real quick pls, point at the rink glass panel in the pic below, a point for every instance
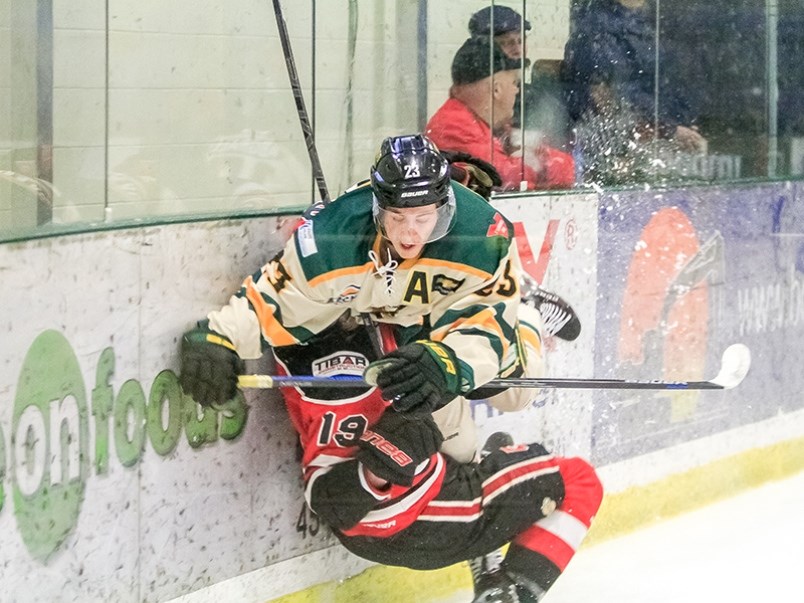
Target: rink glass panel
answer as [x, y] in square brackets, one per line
[121, 111]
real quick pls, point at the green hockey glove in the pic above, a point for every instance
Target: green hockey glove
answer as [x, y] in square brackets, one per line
[419, 377]
[209, 366]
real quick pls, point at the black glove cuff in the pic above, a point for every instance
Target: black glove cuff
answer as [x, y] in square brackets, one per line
[339, 498]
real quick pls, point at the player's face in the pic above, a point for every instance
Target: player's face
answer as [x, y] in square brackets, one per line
[511, 44]
[408, 229]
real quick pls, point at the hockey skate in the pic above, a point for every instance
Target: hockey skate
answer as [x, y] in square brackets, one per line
[497, 440]
[560, 320]
[492, 584]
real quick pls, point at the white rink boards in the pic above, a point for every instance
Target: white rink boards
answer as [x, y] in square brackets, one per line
[113, 487]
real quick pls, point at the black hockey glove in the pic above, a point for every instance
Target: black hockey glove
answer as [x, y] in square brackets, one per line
[209, 366]
[397, 444]
[419, 377]
[473, 172]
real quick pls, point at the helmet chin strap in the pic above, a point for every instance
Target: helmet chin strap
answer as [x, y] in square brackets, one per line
[387, 249]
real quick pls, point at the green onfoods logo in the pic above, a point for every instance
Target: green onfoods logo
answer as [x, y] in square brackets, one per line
[59, 436]
[49, 444]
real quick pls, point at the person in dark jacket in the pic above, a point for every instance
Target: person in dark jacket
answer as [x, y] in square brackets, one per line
[611, 77]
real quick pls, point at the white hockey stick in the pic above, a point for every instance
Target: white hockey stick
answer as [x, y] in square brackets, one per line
[734, 365]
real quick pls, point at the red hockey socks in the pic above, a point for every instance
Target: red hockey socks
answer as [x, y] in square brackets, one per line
[540, 553]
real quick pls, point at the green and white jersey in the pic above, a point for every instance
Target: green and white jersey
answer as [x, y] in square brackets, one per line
[463, 290]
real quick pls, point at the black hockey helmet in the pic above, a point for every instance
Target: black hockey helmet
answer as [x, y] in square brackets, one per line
[411, 172]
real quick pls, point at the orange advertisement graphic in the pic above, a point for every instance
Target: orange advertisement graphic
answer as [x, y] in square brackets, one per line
[664, 317]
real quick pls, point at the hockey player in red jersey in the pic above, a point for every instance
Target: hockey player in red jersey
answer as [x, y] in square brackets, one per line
[414, 278]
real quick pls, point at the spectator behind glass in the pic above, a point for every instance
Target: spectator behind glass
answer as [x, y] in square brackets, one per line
[610, 73]
[476, 119]
[545, 114]
[508, 26]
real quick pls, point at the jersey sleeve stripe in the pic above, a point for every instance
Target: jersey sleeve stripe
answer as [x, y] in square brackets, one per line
[484, 324]
[530, 336]
[272, 329]
[399, 513]
[415, 495]
[452, 516]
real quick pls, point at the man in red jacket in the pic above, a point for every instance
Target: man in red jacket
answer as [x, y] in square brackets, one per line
[476, 119]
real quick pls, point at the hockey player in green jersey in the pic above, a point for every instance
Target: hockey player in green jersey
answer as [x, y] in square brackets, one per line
[413, 250]
[433, 266]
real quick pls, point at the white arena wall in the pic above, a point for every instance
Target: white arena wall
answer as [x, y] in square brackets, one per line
[116, 487]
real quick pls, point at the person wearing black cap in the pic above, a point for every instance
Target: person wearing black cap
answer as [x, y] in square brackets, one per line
[545, 118]
[507, 25]
[478, 114]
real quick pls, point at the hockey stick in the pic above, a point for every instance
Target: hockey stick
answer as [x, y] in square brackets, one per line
[304, 120]
[734, 367]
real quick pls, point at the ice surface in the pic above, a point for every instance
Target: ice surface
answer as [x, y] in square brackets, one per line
[741, 550]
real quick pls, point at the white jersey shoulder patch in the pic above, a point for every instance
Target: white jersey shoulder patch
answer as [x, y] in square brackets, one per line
[306, 238]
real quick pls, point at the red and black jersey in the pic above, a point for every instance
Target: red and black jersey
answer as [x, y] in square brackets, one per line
[329, 423]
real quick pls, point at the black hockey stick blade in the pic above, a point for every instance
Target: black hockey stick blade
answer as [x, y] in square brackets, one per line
[734, 366]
